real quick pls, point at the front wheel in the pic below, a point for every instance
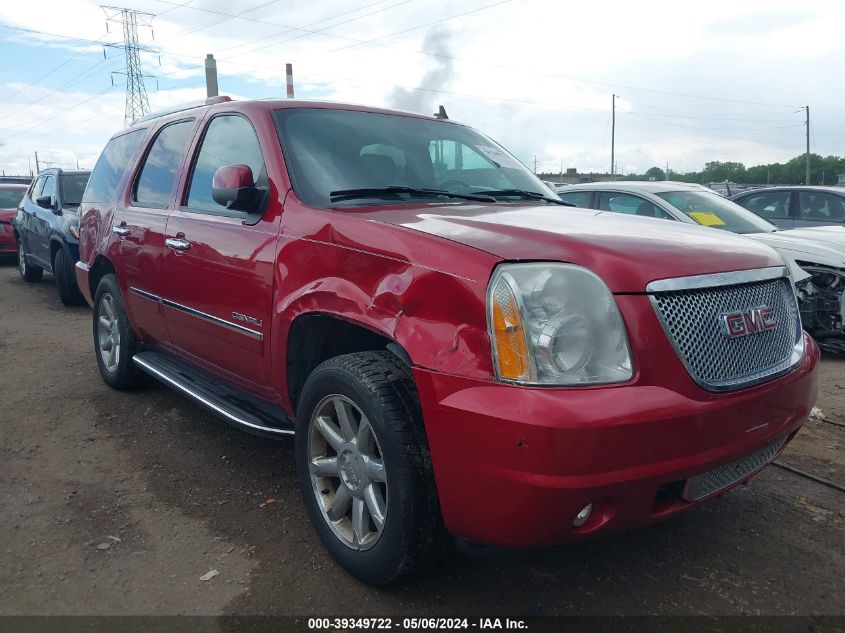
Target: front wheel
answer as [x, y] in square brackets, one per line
[29, 274]
[364, 468]
[114, 341]
[66, 280]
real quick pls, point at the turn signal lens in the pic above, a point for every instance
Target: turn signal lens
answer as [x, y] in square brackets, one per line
[509, 333]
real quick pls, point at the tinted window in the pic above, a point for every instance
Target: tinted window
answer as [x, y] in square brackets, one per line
[710, 209]
[10, 198]
[49, 187]
[629, 204]
[37, 187]
[158, 173]
[73, 185]
[773, 205]
[333, 150]
[578, 198]
[110, 167]
[228, 140]
[822, 207]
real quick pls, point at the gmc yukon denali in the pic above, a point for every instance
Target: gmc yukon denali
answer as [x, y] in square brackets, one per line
[457, 356]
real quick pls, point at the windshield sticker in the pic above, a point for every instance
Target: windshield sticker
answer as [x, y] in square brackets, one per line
[707, 218]
[502, 159]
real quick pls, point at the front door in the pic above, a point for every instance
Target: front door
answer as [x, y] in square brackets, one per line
[219, 267]
[39, 245]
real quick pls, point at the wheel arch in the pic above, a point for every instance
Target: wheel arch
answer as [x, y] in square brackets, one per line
[101, 267]
[316, 336]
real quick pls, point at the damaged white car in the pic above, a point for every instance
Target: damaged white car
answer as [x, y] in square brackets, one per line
[815, 256]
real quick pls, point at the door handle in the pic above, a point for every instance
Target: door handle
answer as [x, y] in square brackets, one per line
[122, 231]
[177, 243]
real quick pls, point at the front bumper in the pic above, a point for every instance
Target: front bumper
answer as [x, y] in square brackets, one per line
[514, 465]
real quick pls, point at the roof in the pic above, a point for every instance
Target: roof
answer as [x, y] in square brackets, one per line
[65, 172]
[221, 103]
[654, 186]
[838, 190]
[13, 185]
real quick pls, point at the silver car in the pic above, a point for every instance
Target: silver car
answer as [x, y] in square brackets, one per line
[796, 207]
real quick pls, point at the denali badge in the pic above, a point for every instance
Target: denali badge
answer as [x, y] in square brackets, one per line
[750, 321]
[237, 316]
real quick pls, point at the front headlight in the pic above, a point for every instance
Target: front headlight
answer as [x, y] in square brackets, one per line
[555, 324]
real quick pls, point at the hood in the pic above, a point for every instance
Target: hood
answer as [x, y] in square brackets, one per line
[819, 245]
[627, 252]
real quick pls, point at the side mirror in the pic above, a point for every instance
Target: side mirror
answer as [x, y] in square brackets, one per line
[46, 202]
[233, 187]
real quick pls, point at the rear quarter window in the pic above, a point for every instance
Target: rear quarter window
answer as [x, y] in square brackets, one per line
[111, 166]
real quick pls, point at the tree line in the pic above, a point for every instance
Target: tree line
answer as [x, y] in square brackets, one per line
[824, 170]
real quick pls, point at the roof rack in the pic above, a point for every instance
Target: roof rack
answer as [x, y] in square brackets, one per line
[183, 108]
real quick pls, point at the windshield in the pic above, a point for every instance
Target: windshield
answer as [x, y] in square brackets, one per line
[11, 198]
[73, 186]
[340, 150]
[710, 209]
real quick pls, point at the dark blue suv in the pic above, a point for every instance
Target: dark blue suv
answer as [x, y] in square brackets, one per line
[47, 230]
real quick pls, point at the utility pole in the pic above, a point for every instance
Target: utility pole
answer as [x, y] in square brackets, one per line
[667, 170]
[137, 103]
[535, 164]
[37, 166]
[613, 140]
[211, 89]
[807, 166]
[561, 171]
[289, 80]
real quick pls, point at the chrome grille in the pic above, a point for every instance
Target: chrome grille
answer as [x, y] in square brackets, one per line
[723, 476]
[692, 318]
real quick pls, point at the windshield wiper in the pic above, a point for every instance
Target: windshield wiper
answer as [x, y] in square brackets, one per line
[521, 193]
[370, 192]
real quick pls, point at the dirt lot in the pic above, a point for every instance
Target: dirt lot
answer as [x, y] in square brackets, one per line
[116, 503]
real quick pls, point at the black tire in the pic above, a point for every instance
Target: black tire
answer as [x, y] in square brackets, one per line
[382, 388]
[66, 280]
[29, 273]
[124, 374]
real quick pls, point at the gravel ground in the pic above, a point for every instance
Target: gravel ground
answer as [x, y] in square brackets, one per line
[116, 503]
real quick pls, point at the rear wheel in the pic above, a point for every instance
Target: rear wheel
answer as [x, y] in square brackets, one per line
[28, 273]
[66, 280]
[114, 341]
[364, 468]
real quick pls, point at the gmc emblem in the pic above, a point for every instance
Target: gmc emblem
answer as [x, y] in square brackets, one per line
[750, 321]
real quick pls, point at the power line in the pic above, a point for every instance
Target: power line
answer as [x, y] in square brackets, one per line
[137, 103]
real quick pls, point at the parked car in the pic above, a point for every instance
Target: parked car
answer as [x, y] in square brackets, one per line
[10, 198]
[453, 354]
[47, 230]
[815, 256]
[796, 207]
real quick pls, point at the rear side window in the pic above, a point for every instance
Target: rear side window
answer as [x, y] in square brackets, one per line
[229, 140]
[630, 205]
[578, 198]
[110, 167]
[158, 173]
[823, 207]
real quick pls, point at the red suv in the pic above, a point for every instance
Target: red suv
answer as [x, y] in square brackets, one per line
[455, 352]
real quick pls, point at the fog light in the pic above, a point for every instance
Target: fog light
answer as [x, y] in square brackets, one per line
[583, 515]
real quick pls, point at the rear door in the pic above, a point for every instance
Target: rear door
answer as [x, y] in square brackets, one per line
[139, 226]
[819, 208]
[774, 206]
[219, 267]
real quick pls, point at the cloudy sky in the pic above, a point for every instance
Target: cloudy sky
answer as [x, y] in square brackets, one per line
[722, 80]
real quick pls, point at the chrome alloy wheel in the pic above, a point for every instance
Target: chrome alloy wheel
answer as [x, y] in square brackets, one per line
[108, 333]
[347, 472]
[21, 259]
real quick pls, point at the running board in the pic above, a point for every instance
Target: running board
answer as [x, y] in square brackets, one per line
[235, 407]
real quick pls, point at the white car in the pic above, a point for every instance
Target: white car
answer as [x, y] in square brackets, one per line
[815, 256]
